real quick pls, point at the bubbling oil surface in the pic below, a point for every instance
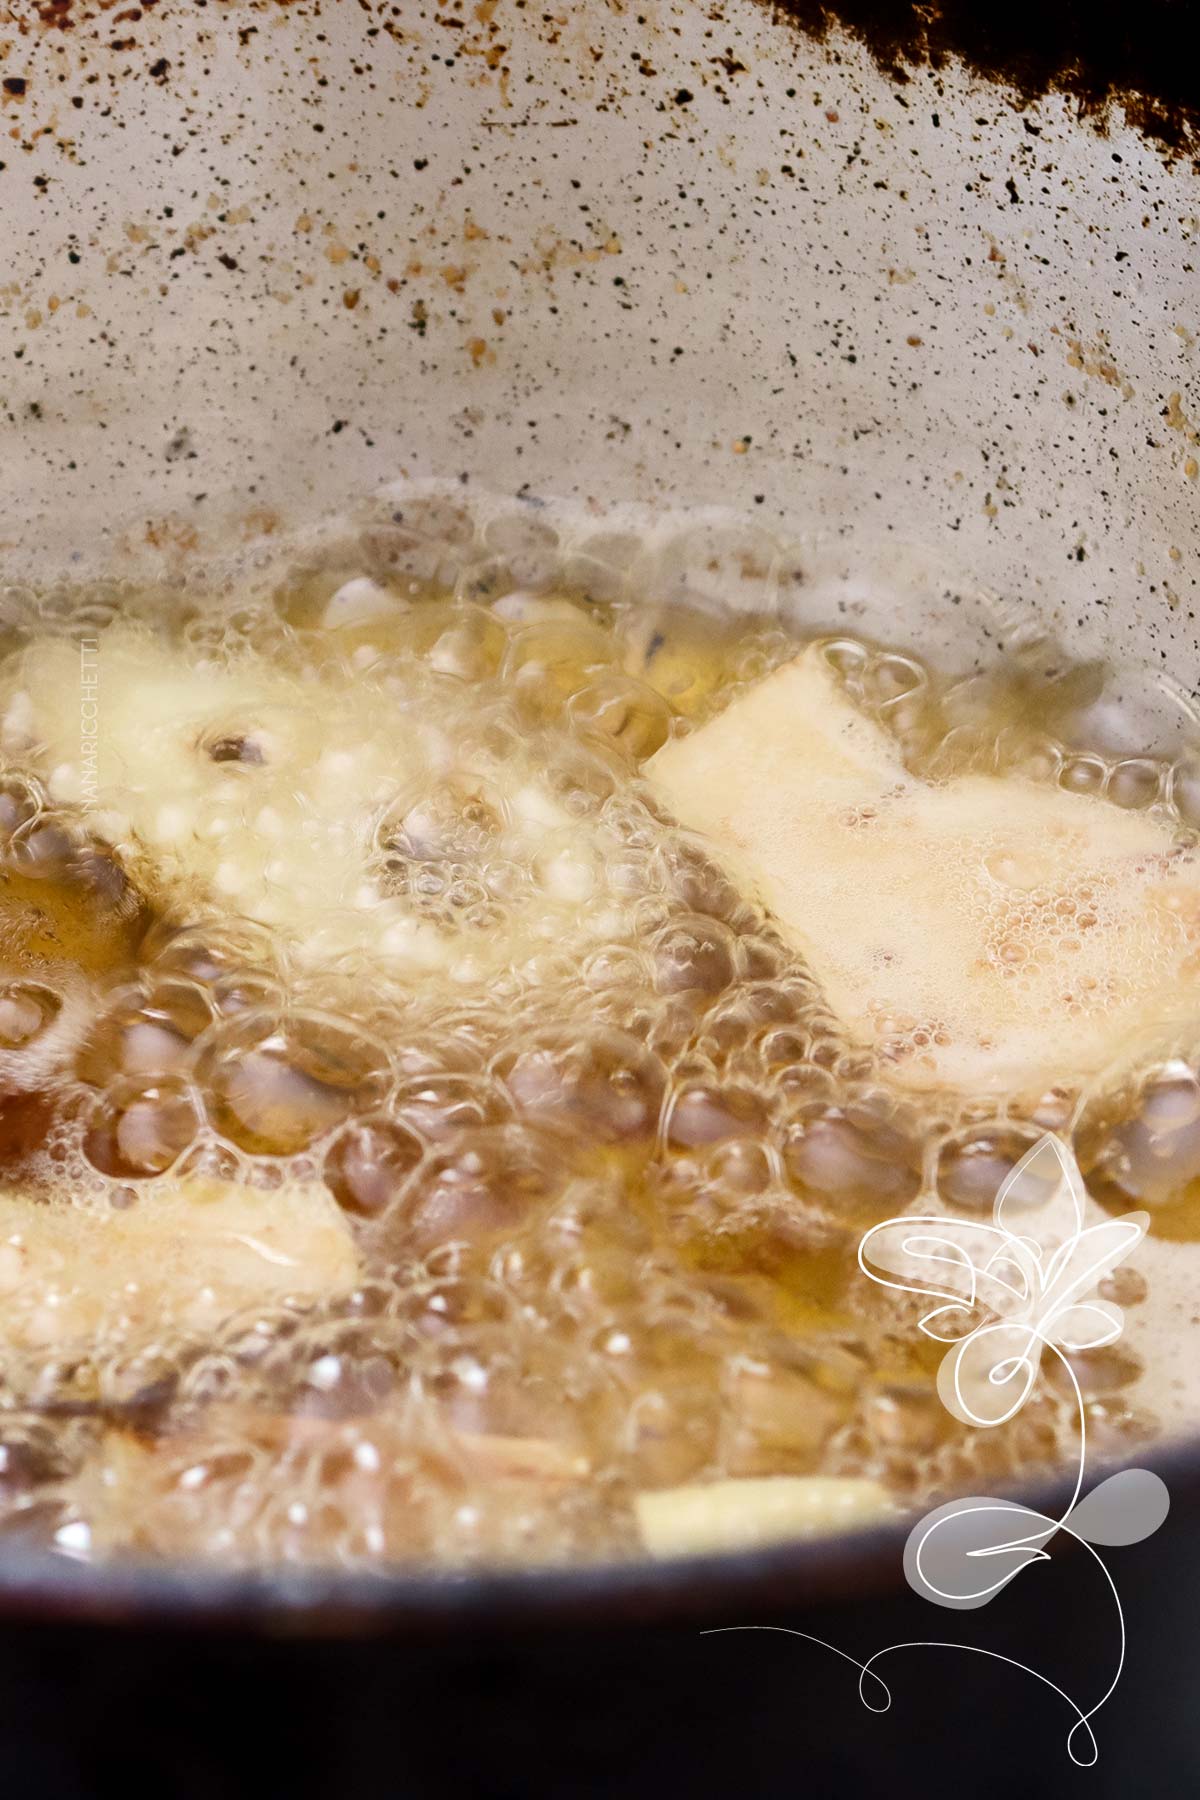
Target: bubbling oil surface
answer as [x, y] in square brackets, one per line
[600, 1157]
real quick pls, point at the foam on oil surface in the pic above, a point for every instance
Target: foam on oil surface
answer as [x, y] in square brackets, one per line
[372, 903]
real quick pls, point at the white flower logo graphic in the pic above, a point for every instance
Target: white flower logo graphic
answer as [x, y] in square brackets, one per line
[1032, 1274]
[1007, 1293]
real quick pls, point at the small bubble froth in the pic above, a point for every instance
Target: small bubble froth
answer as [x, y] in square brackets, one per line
[533, 1160]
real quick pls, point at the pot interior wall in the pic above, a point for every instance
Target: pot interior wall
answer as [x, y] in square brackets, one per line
[262, 259]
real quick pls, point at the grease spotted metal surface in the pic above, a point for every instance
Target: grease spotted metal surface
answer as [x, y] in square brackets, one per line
[1104, 54]
[259, 258]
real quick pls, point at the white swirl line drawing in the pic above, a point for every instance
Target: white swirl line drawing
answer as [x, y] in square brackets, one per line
[867, 1672]
[1005, 1296]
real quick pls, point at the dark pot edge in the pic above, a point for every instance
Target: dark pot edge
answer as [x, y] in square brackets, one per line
[311, 1603]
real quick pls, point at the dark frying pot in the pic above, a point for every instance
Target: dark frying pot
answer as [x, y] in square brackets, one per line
[894, 297]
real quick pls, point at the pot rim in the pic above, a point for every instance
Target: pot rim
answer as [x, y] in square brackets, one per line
[306, 1603]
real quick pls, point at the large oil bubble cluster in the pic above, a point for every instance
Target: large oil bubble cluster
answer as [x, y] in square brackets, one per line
[531, 1163]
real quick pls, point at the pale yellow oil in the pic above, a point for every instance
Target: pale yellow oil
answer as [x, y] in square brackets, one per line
[603, 1153]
